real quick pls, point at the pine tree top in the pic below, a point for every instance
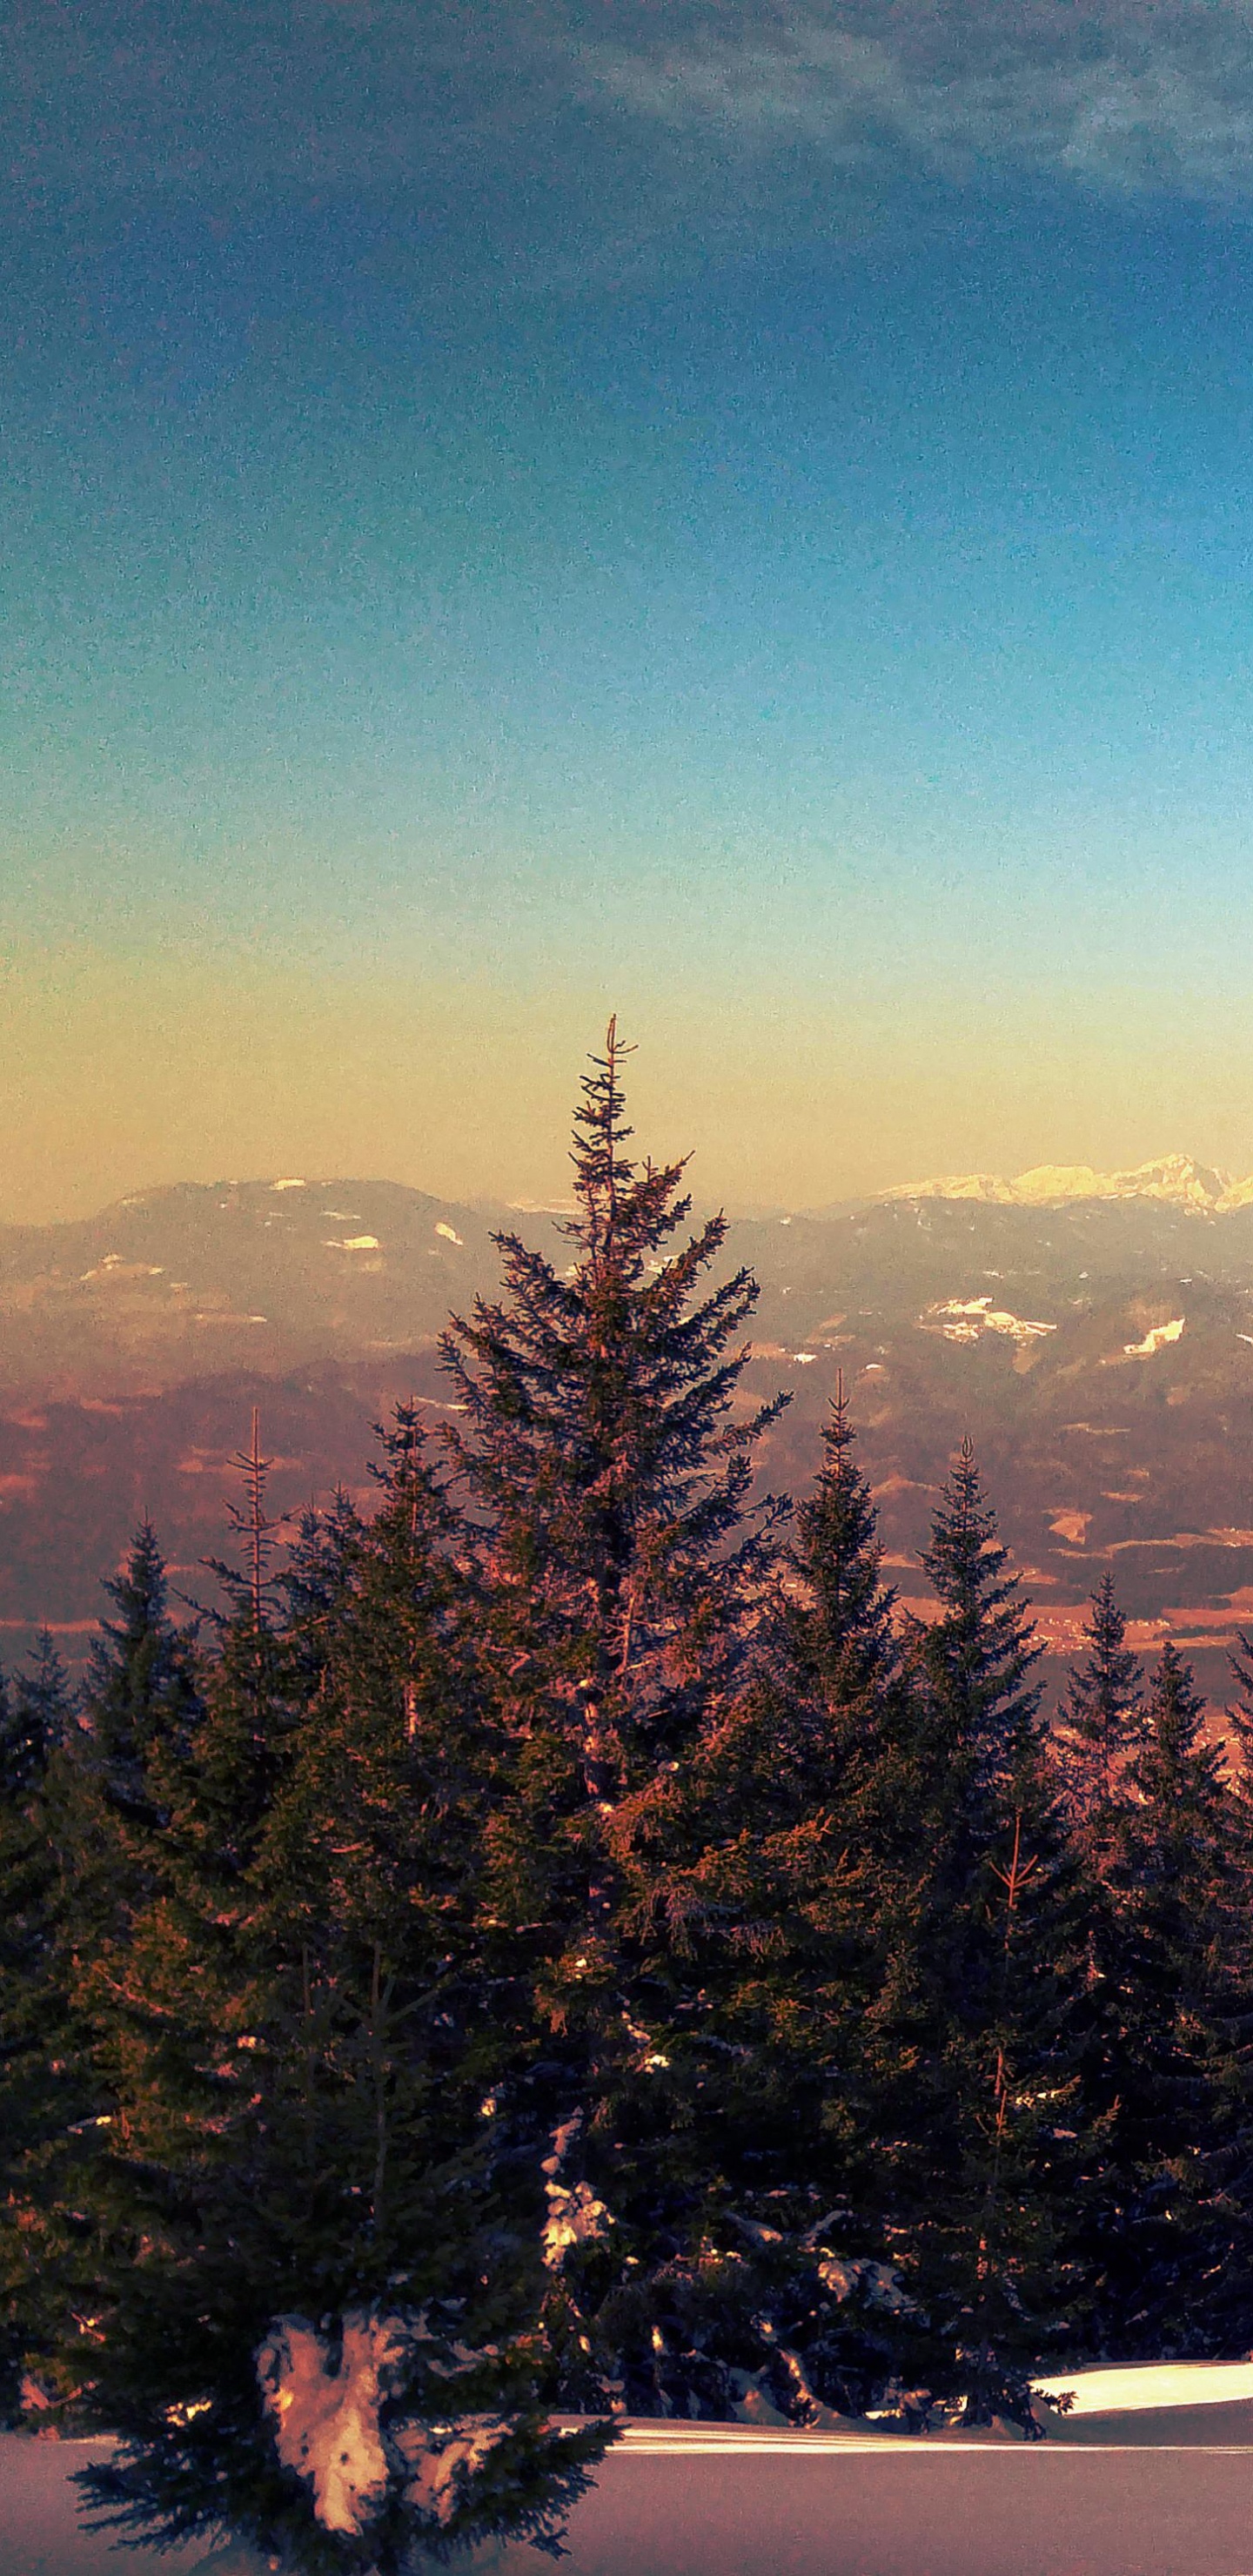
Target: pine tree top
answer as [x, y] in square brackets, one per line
[601, 1439]
[982, 1652]
[1104, 1703]
[845, 1629]
[1174, 1752]
[1101, 1721]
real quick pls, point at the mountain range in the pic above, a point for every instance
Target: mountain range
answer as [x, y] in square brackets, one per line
[1096, 1341]
[1176, 1179]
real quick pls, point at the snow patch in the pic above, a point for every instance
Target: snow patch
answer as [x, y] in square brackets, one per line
[1156, 1339]
[289, 1185]
[352, 1243]
[325, 2413]
[1124, 2388]
[967, 1319]
[449, 1232]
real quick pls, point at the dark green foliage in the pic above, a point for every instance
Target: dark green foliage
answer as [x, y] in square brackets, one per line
[1169, 2228]
[1102, 1721]
[27, 1882]
[970, 2035]
[300, 2059]
[42, 2088]
[44, 1704]
[979, 1658]
[844, 1628]
[141, 1708]
[794, 1830]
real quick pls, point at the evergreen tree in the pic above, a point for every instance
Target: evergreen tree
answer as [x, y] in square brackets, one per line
[311, 1583]
[979, 1657]
[1169, 2228]
[42, 2086]
[300, 2155]
[27, 1883]
[1101, 1723]
[844, 1628]
[972, 2038]
[45, 1702]
[623, 1572]
[140, 1695]
[1239, 1716]
[798, 1834]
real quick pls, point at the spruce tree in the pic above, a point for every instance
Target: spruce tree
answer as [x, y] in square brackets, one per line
[300, 2168]
[140, 1695]
[1101, 1723]
[28, 1873]
[972, 2038]
[844, 1628]
[623, 1571]
[1171, 2231]
[45, 1701]
[798, 1834]
[45, 2088]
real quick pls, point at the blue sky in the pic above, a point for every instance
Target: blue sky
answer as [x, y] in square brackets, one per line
[736, 515]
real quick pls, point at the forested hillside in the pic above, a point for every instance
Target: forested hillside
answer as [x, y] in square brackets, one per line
[564, 1939]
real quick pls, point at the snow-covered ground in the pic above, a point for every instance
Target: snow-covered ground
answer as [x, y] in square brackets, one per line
[1150, 2475]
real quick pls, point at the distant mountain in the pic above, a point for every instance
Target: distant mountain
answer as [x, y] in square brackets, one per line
[1175, 1178]
[179, 1283]
[1097, 1342]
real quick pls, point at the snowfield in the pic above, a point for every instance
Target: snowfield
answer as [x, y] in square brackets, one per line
[1151, 2474]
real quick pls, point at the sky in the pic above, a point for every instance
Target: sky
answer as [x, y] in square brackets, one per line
[736, 515]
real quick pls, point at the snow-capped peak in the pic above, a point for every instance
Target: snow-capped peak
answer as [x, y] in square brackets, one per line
[1177, 1179]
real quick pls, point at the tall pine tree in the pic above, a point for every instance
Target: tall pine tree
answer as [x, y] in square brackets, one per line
[317, 2327]
[1170, 2228]
[607, 1456]
[46, 2088]
[973, 2036]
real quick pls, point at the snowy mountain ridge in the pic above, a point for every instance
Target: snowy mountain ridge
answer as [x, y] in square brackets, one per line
[1178, 1180]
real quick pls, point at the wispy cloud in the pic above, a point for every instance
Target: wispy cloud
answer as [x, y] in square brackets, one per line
[1120, 97]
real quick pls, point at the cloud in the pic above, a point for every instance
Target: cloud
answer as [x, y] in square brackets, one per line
[579, 140]
[1118, 97]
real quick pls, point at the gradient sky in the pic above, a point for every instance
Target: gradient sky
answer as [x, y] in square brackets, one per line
[739, 515]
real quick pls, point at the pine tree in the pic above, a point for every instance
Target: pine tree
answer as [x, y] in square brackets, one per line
[1101, 1723]
[844, 1628]
[797, 1834]
[27, 1880]
[299, 2168]
[972, 2039]
[1239, 1716]
[1168, 2229]
[311, 1582]
[979, 1656]
[170, 1977]
[42, 2086]
[45, 1702]
[140, 1695]
[623, 1571]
